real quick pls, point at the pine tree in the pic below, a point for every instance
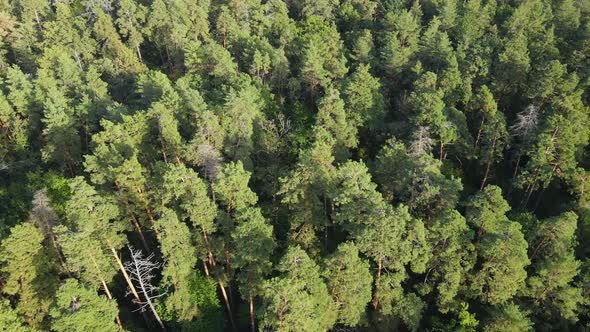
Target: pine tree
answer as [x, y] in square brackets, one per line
[78, 308]
[241, 111]
[130, 20]
[321, 54]
[349, 283]
[9, 318]
[95, 219]
[415, 179]
[363, 99]
[29, 274]
[555, 267]
[254, 243]
[508, 317]
[400, 41]
[232, 190]
[183, 187]
[179, 271]
[333, 118]
[452, 258]
[492, 135]
[305, 192]
[297, 299]
[500, 247]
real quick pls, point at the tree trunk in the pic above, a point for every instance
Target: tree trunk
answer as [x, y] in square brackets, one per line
[133, 220]
[141, 236]
[38, 21]
[379, 268]
[229, 311]
[168, 58]
[479, 133]
[125, 275]
[106, 289]
[210, 253]
[139, 54]
[516, 167]
[485, 177]
[489, 164]
[252, 325]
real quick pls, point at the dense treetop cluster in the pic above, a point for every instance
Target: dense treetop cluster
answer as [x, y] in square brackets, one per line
[301, 165]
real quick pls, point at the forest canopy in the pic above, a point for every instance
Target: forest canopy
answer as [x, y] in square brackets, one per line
[302, 165]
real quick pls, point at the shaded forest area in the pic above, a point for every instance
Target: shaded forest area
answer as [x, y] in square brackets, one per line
[301, 165]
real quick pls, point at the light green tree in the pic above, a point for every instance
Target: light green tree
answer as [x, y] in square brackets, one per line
[297, 299]
[349, 283]
[28, 271]
[78, 308]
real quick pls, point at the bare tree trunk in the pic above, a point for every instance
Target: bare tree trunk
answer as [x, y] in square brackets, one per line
[77, 57]
[139, 54]
[379, 268]
[125, 275]
[516, 167]
[138, 228]
[210, 253]
[489, 164]
[133, 220]
[106, 289]
[229, 311]
[479, 132]
[252, 325]
[38, 21]
[168, 58]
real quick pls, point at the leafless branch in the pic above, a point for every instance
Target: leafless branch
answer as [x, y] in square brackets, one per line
[140, 271]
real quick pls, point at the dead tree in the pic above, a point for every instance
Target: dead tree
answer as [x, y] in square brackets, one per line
[421, 142]
[526, 122]
[141, 270]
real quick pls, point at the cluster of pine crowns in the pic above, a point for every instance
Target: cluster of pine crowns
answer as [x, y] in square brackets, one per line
[301, 165]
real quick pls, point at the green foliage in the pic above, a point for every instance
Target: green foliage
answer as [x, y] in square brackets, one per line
[555, 267]
[508, 317]
[78, 308]
[501, 248]
[349, 283]
[9, 318]
[180, 258]
[254, 243]
[231, 187]
[297, 299]
[363, 98]
[415, 179]
[293, 161]
[28, 273]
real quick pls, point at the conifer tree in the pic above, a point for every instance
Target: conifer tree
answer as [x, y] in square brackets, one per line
[179, 272]
[500, 246]
[363, 98]
[349, 282]
[78, 308]
[555, 267]
[297, 299]
[254, 243]
[29, 274]
[9, 318]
